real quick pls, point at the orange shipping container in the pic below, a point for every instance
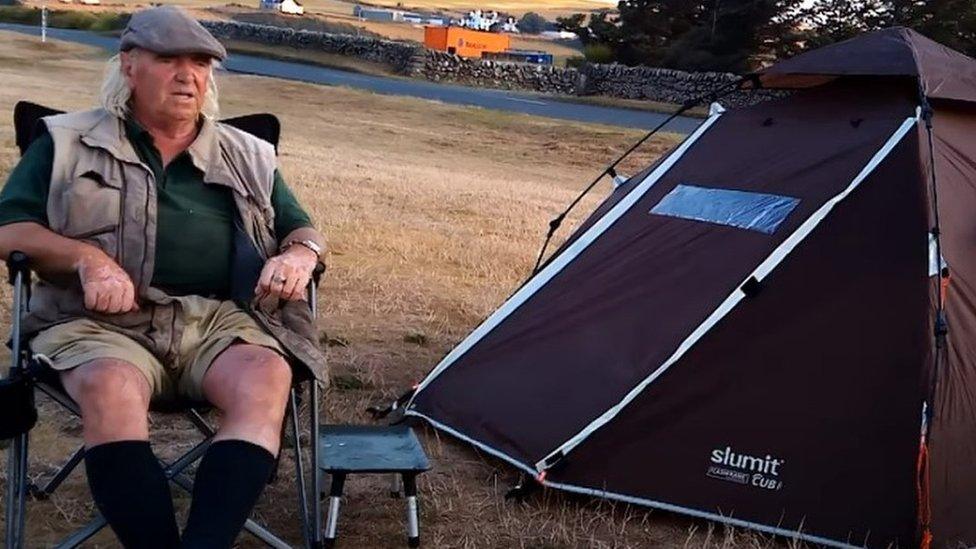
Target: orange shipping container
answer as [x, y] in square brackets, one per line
[465, 42]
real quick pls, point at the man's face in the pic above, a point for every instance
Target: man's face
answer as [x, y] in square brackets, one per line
[166, 88]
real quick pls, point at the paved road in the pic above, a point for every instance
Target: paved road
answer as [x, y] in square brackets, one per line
[460, 95]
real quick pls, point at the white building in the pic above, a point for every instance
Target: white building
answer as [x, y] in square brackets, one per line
[478, 20]
[290, 7]
[510, 25]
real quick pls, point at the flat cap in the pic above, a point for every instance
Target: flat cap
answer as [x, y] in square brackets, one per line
[169, 30]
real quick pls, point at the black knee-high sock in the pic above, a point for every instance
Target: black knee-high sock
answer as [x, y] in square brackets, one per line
[231, 476]
[132, 493]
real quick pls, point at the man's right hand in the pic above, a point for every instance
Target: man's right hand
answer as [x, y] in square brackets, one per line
[108, 288]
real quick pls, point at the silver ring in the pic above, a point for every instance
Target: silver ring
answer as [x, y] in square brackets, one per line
[280, 279]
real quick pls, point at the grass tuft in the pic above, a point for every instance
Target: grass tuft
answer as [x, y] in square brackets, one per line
[416, 338]
[349, 382]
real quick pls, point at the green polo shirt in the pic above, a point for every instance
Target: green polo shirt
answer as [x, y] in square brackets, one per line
[194, 237]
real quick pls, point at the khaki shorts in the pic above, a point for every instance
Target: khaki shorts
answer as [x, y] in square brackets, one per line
[209, 327]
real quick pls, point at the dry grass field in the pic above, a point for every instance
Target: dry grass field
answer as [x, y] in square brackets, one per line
[434, 213]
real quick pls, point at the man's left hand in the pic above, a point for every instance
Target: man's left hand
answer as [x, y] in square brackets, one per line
[286, 276]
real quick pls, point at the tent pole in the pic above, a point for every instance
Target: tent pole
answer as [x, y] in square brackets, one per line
[941, 323]
[941, 330]
[610, 170]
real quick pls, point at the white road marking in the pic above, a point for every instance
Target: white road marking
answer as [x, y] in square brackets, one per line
[533, 101]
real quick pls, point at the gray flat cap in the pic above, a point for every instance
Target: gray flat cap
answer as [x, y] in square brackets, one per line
[169, 30]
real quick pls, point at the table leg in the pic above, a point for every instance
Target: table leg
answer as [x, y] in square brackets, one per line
[413, 518]
[394, 486]
[335, 497]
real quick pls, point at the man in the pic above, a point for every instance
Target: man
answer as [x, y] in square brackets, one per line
[173, 262]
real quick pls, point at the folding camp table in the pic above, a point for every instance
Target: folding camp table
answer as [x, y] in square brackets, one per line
[368, 449]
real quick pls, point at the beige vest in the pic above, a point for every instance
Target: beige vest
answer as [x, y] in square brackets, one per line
[102, 193]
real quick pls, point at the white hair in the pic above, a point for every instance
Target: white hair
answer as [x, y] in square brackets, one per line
[115, 94]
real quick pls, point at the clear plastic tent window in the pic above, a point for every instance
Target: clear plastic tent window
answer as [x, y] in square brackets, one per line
[753, 211]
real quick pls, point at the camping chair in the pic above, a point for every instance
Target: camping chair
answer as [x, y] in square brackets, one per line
[27, 373]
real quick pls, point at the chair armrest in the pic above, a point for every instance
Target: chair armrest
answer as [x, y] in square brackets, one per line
[18, 263]
[318, 273]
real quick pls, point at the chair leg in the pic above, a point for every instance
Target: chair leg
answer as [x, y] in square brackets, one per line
[413, 518]
[299, 470]
[335, 498]
[60, 397]
[59, 477]
[10, 513]
[82, 534]
[264, 535]
[276, 468]
[201, 424]
[187, 459]
[16, 491]
[313, 407]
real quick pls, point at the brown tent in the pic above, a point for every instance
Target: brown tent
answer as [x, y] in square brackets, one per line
[750, 330]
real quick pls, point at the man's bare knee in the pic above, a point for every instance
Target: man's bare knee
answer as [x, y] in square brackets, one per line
[114, 399]
[107, 381]
[250, 385]
[249, 379]
[269, 379]
[263, 391]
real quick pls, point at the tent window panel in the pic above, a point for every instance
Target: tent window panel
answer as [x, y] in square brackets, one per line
[746, 210]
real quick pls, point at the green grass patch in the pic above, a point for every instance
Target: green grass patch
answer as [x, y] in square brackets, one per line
[65, 19]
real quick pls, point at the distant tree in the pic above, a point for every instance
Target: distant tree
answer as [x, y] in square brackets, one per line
[601, 36]
[597, 53]
[650, 28]
[732, 34]
[829, 21]
[951, 22]
[724, 35]
[532, 23]
[603, 29]
[575, 23]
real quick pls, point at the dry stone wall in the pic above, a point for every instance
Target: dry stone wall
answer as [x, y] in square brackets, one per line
[398, 55]
[663, 85]
[440, 66]
[643, 83]
[410, 58]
